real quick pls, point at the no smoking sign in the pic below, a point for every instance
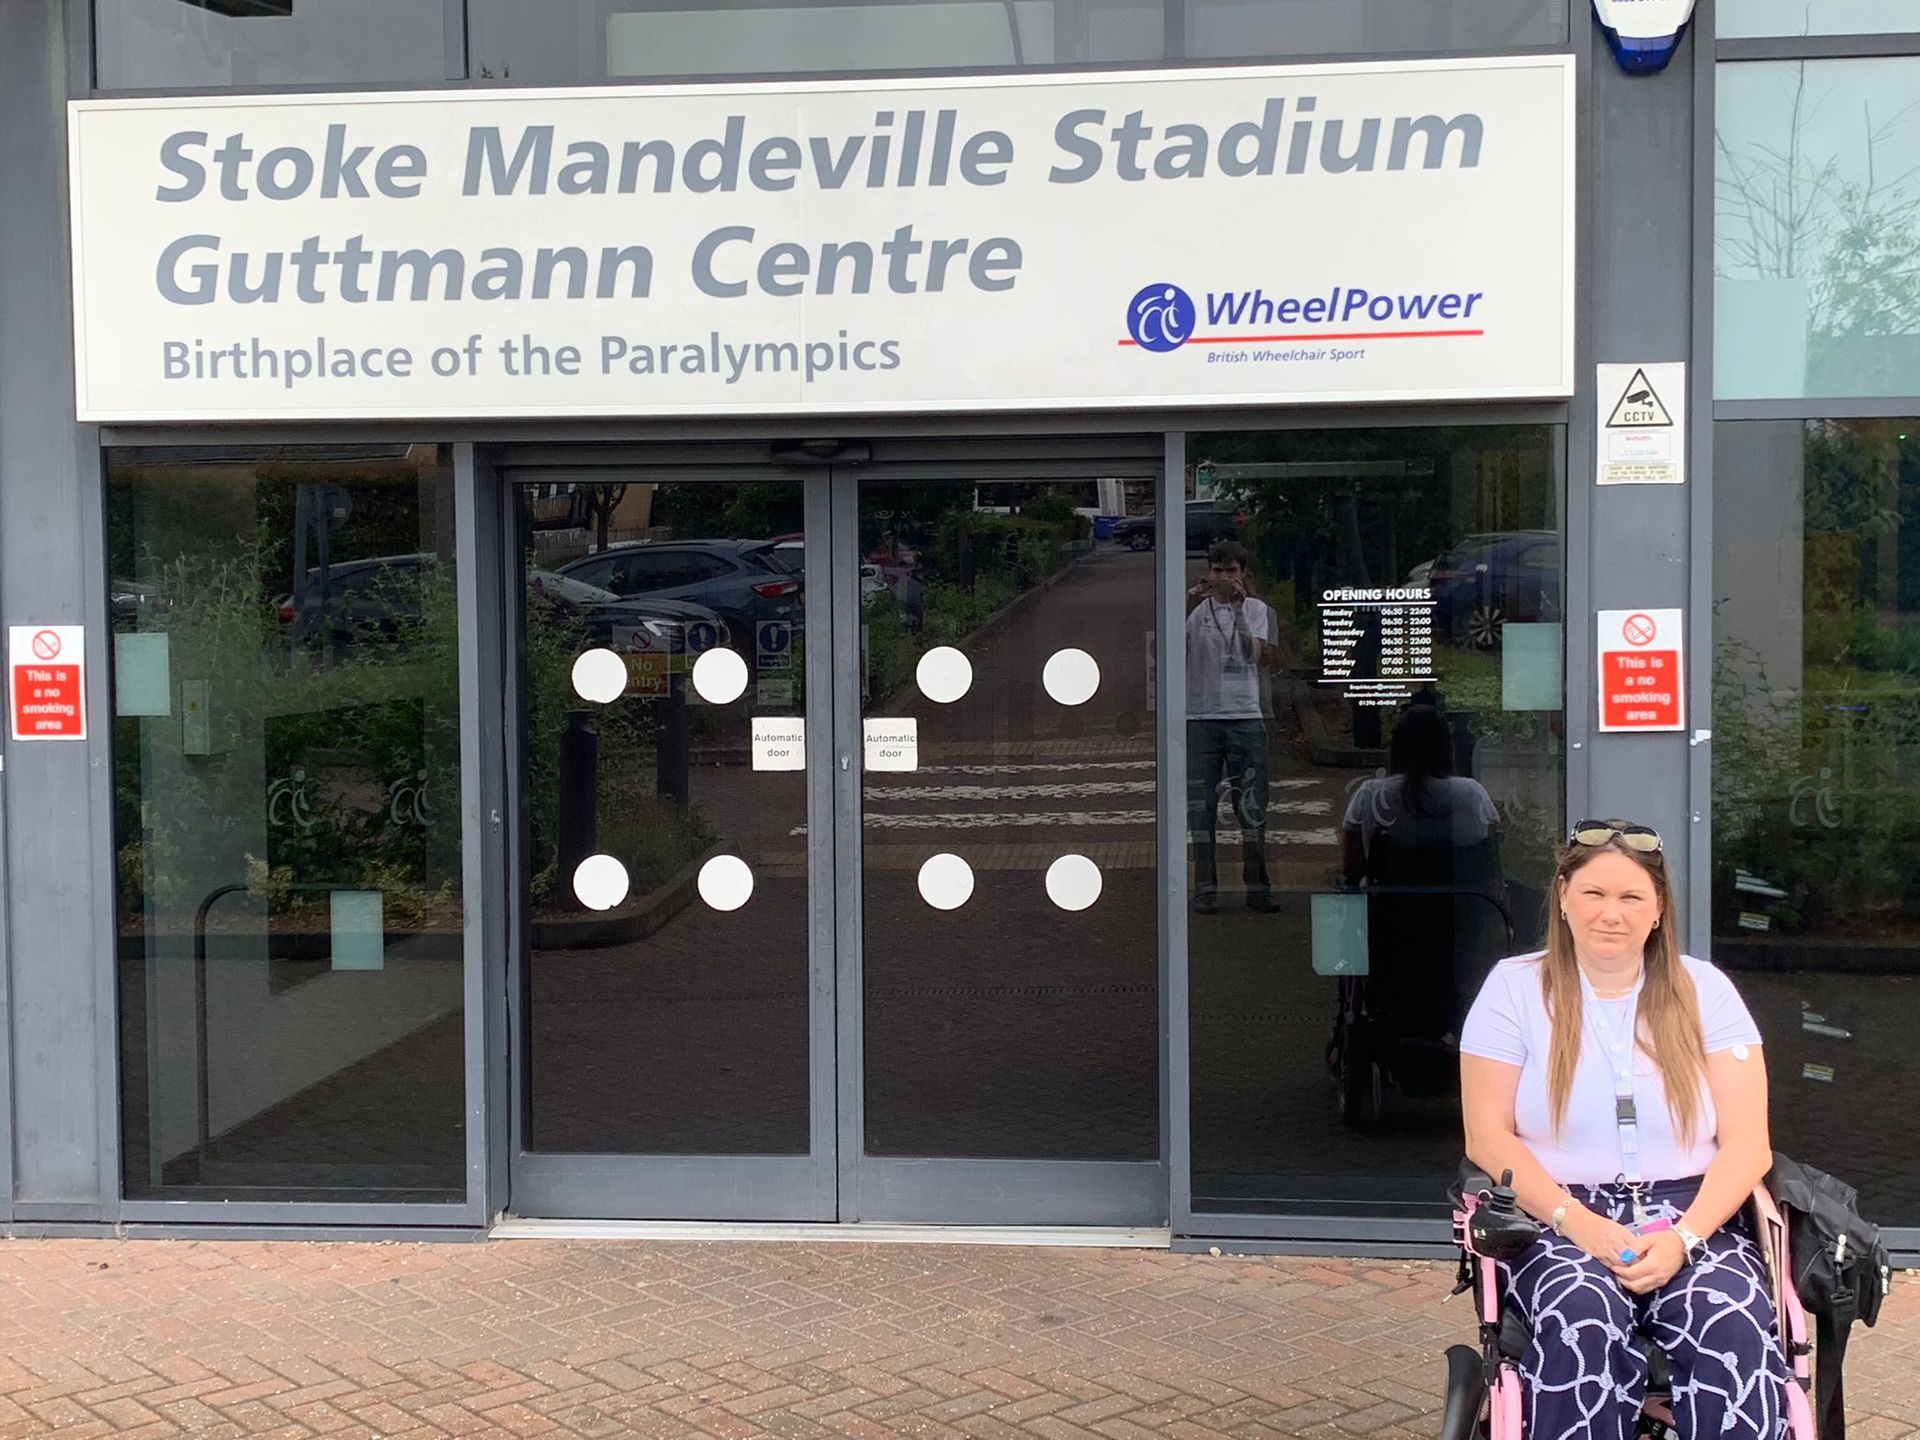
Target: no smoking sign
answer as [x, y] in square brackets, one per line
[47, 671]
[1641, 670]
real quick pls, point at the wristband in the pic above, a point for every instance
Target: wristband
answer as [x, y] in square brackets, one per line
[1559, 1218]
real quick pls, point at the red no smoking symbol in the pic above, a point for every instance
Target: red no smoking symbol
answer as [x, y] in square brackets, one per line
[46, 644]
[1639, 629]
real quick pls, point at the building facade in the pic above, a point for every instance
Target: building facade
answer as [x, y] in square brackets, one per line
[624, 598]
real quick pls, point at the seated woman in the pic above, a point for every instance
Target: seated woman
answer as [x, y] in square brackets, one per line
[1622, 1083]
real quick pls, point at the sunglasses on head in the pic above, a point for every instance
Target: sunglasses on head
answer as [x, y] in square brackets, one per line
[1643, 838]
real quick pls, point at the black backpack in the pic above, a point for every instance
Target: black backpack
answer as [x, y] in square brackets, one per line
[1841, 1272]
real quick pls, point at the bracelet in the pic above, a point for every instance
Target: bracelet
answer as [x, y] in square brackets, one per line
[1559, 1217]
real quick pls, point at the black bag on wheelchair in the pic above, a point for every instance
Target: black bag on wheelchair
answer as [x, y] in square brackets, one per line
[1841, 1271]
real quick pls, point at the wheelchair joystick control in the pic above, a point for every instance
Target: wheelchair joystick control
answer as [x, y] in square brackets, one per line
[1498, 1228]
[1502, 1198]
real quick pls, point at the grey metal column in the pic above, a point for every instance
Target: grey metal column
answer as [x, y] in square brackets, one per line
[59, 844]
[480, 572]
[1169, 682]
[1636, 544]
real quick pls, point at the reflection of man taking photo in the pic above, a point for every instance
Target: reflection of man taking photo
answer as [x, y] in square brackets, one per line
[1229, 641]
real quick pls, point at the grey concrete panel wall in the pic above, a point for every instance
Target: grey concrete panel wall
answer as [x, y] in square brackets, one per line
[1638, 267]
[59, 849]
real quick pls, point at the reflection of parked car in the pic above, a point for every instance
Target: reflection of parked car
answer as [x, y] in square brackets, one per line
[649, 623]
[741, 580]
[791, 556]
[1487, 580]
[1207, 521]
[131, 599]
[358, 600]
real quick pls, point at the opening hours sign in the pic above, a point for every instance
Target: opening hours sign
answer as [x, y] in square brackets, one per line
[1641, 670]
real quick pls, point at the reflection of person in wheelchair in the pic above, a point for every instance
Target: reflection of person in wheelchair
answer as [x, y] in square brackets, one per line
[1426, 844]
[1620, 1085]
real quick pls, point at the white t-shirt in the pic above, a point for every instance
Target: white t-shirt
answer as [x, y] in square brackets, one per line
[1459, 812]
[1509, 1023]
[1223, 667]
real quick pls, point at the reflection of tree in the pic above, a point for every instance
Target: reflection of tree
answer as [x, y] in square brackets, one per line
[1813, 788]
[600, 501]
[1783, 213]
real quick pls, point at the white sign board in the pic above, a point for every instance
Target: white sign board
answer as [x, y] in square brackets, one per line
[1643, 423]
[779, 742]
[892, 744]
[1255, 235]
[1642, 670]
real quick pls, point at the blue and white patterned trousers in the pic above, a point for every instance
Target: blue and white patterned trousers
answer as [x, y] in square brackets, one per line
[1586, 1376]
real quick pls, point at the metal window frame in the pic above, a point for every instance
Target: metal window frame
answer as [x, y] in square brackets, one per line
[1813, 47]
[458, 35]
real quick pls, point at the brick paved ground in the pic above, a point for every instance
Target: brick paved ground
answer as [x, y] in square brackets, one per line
[734, 1340]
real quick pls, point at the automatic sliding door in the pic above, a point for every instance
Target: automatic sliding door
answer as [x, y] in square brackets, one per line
[676, 947]
[1008, 984]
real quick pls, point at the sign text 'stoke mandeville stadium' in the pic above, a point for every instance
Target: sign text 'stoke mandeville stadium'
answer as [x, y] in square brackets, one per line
[843, 247]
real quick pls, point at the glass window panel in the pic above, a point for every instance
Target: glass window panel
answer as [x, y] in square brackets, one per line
[287, 817]
[1816, 17]
[663, 1017]
[1245, 29]
[1817, 229]
[590, 40]
[1374, 793]
[1816, 782]
[213, 44]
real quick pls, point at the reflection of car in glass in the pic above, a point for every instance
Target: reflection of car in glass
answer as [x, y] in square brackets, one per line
[741, 580]
[1487, 580]
[1207, 521]
[791, 556]
[648, 623]
[130, 599]
[359, 600]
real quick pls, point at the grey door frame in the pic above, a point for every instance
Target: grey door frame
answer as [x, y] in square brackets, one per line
[836, 1180]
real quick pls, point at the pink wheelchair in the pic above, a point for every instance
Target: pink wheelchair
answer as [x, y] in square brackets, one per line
[1484, 1385]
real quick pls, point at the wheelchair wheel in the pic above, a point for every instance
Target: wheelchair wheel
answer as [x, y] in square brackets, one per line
[1466, 1395]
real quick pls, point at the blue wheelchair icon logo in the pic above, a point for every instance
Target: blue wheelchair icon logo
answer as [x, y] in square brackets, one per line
[1161, 318]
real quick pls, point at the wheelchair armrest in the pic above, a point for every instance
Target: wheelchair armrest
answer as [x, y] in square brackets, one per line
[1470, 1180]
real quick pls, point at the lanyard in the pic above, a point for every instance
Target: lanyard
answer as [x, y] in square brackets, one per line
[1619, 1056]
[1229, 641]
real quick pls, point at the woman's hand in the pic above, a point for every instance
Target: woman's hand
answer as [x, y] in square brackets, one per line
[1661, 1256]
[1600, 1237]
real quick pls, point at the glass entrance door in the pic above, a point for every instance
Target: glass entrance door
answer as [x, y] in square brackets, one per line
[836, 840]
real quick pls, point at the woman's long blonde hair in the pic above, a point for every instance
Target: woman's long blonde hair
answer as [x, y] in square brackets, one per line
[1669, 1009]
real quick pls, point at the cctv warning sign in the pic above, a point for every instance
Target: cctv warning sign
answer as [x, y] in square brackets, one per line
[1643, 437]
[48, 668]
[1641, 670]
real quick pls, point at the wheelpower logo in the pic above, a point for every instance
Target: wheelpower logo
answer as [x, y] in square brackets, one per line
[1164, 317]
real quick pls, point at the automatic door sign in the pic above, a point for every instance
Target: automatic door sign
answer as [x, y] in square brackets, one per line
[1643, 431]
[1641, 670]
[48, 665]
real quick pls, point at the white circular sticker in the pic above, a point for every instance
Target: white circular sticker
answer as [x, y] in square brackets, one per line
[946, 882]
[1073, 882]
[945, 674]
[600, 881]
[600, 676]
[726, 882]
[1071, 676]
[1740, 1052]
[719, 676]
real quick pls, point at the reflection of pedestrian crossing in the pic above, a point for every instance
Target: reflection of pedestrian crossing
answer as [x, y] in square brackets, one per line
[905, 803]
